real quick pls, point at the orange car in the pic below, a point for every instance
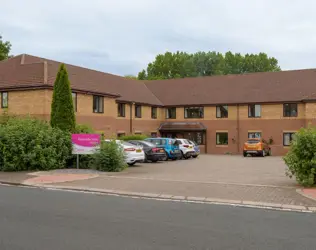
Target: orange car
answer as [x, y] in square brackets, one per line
[256, 146]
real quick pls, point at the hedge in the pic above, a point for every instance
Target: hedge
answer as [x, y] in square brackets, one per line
[31, 144]
[132, 137]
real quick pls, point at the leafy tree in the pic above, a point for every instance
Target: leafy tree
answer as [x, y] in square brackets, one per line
[131, 77]
[62, 110]
[182, 64]
[5, 48]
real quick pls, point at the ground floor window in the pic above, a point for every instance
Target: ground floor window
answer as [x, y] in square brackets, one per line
[222, 138]
[287, 138]
[120, 135]
[153, 134]
[252, 135]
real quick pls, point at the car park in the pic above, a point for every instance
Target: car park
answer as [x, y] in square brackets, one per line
[169, 145]
[196, 149]
[187, 149]
[256, 146]
[133, 153]
[152, 152]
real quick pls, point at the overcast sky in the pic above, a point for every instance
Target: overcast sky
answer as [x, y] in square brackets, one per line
[122, 36]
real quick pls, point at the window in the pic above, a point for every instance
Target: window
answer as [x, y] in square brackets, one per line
[4, 99]
[120, 135]
[121, 109]
[222, 111]
[222, 138]
[98, 104]
[171, 113]
[154, 112]
[138, 111]
[153, 134]
[290, 110]
[287, 138]
[254, 135]
[74, 100]
[194, 112]
[254, 110]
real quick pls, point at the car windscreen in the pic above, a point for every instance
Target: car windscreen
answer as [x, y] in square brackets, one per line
[253, 141]
[158, 142]
[148, 144]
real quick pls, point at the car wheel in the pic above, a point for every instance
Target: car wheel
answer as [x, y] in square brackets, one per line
[194, 156]
[245, 154]
[154, 160]
[131, 164]
[263, 154]
[145, 160]
[269, 152]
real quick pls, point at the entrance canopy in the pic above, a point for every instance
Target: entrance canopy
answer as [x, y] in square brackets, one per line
[182, 126]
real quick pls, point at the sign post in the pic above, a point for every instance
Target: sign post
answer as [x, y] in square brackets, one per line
[84, 144]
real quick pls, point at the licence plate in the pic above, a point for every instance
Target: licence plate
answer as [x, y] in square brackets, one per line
[138, 150]
[161, 150]
[190, 147]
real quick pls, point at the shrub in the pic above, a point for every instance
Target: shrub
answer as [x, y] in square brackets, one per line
[301, 158]
[62, 109]
[110, 158]
[83, 129]
[133, 137]
[30, 144]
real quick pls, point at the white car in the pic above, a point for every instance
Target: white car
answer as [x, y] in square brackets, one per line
[132, 152]
[186, 148]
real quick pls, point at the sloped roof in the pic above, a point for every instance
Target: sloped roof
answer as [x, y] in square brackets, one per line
[27, 69]
[269, 87]
[295, 85]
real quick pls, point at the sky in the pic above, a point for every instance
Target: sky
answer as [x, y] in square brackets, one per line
[122, 36]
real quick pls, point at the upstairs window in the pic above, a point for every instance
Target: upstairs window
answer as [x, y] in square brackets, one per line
[4, 100]
[153, 112]
[121, 109]
[194, 112]
[138, 111]
[254, 110]
[222, 111]
[290, 110]
[171, 113]
[74, 100]
[98, 104]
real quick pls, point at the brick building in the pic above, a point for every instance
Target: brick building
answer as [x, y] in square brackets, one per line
[218, 112]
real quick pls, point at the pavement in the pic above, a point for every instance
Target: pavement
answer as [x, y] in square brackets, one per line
[37, 219]
[210, 178]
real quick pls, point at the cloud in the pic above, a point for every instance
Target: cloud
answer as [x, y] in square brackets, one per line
[122, 36]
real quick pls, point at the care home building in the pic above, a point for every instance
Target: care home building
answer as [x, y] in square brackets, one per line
[218, 112]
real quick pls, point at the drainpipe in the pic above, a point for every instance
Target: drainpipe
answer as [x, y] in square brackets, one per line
[238, 127]
[131, 118]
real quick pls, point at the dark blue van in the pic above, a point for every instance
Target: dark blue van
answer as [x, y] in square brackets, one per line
[170, 146]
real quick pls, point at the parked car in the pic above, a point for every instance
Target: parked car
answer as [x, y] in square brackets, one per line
[169, 145]
[256, 146]
[132, 152]
[196, 149]
[152, 153]
[187, 149]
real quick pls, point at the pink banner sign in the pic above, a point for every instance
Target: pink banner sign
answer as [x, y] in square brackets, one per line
[85, 143]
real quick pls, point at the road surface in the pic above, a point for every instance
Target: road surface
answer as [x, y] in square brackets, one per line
[37, 219]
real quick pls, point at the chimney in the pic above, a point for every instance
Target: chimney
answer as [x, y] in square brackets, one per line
[45, 72]
[23, 59]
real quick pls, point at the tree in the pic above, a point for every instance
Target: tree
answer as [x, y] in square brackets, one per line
[182, 64]
[131, 77]
[5, 48]
[62, 110]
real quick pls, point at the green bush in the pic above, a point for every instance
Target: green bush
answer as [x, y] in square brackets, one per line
[133, 137]
[301, 158]
[31, 144]
[83, 129]
[110, 158]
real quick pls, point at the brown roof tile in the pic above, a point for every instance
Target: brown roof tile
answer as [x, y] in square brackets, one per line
[269, 87]
[283, 86]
